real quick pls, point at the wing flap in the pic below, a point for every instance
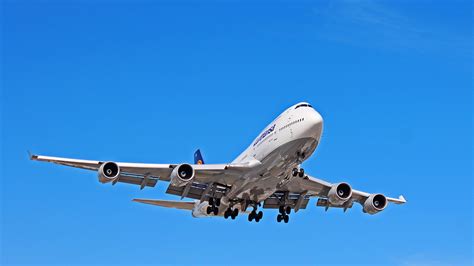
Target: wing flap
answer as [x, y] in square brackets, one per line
[149, 182]
[196, 191]
[182, 205]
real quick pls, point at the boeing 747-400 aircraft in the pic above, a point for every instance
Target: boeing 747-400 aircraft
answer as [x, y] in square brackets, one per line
[267, 174]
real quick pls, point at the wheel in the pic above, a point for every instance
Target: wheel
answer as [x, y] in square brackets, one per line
[286, 218]
[209, 210]
[260, 215]
[279, 218]
[215, 210]
[250, 217]
[211, 201]
[233, 216]
[295, 172]
[281, 209]
[235, 212]
[257, 219]
[301, 173]
[218, 202]
[288, 209]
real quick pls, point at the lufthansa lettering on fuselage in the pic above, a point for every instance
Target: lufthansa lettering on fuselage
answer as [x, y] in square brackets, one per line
[264, 134]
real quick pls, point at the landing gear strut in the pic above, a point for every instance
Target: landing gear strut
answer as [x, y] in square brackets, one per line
[297, 172]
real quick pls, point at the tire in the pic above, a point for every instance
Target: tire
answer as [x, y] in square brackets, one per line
[215, 210]
[211, 201]
[279, 218]
[295, 172]
[288, 210]
[301, 173]
[257, 220]
[260, 215]
[281, 209]
[209, 210]
[218, 202]
[250, 217]
[235, 212]
[286, 218]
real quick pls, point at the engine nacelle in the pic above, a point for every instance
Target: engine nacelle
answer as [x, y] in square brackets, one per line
[108, 172]
[182, 175]
[375, 203]
[339, 193]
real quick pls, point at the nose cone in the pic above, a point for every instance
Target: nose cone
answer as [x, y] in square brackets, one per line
[314, 125]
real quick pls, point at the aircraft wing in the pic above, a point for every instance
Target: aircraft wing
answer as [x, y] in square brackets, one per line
[314, 187]
[147, 174]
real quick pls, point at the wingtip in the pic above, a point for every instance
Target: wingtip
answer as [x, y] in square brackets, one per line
[32, 156]
[402, 199]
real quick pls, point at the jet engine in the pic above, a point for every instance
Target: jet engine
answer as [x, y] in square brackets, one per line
[108, 172]
[375, 203]
[182, 174]
[339, 193]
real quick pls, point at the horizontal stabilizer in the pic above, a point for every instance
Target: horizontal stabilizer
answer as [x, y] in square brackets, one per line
[182, 205]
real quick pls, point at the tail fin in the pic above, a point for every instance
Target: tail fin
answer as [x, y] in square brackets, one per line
[198, 157]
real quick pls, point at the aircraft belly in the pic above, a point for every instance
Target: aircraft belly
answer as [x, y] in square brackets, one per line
[275, 170]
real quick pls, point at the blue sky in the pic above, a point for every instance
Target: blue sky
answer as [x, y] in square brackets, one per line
[152, 82]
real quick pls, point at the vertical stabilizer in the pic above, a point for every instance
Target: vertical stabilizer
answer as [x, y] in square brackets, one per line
[198, 157]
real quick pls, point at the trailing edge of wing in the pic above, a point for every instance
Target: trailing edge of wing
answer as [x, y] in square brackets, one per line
[186, 205]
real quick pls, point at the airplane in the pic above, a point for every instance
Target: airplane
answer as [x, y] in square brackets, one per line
[268, 174]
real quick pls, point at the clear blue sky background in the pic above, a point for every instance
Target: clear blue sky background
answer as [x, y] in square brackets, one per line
[148, 82]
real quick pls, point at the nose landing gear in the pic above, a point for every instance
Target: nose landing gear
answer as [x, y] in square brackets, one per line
[297, 172]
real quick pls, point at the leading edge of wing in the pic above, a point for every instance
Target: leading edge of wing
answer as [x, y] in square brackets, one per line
[400, 200]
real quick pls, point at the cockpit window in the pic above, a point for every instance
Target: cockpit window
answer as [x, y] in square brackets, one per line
[303, 105]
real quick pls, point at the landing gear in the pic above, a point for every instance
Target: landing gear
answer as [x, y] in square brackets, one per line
[212, 209]
[254, 215]
[232, 213]
[283, 216]
[296, 172]
[213, 206]
[301, 173]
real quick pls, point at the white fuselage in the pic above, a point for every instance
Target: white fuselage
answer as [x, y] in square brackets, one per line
[293, 124]
[283, 145]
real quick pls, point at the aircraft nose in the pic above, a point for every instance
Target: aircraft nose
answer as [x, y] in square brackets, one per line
[316, 124]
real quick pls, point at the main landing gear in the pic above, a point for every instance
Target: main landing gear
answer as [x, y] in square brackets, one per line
[213, 206]
[298, 172]
[283, 216]
[232, 213]
[254, 215]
